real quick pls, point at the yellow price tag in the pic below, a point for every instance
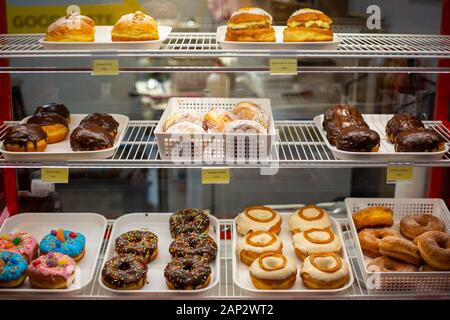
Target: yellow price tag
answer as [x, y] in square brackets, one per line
[215, 176]
[283, 67]
[396, 174]
[105, 67]
[55, 175]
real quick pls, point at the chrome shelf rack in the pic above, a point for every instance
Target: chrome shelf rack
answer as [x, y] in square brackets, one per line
[299, 145]
[226, 289]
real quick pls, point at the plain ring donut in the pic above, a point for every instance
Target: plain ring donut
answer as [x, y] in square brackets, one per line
[434, 247]
[414, 225]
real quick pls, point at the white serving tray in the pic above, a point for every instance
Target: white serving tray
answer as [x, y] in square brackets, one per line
[63, 151]
[400, 281]
[103, 42]
[278, 45]
[241, 275]
[158, 223]
[377, 122]
[91, 225]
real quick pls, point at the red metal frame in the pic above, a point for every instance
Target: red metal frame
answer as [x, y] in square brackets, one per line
[9, 175]
[439, 178]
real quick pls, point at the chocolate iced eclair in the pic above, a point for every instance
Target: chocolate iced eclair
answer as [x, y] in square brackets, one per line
[56, 108]
[90, 137]
[358, 140]
[418, 140]
[401, 122]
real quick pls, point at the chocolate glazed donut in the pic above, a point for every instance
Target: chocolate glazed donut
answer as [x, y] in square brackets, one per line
[188, 220]
[140, 243]
[90, 137]
[194, 244]
[57, 108]
[125, 272]
[21, 134]
[188, 273]
[104, 120]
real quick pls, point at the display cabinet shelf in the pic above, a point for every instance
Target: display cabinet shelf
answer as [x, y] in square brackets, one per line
[204, 45]
[299, 145]
[226, 289]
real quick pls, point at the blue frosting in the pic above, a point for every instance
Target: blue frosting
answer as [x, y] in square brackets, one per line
[15, 266]
[71, 246]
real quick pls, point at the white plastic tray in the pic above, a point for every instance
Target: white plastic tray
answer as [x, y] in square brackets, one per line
[91, 225]
[400, 281]
[63, 151]
[279, 44]
[377, 122]
[241, 275]
[158, 223]
[214, 146]
[103, 41]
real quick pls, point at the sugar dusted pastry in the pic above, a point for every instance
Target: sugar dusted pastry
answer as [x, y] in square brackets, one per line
[71, 28]
[257, 243]
[316, 241]
[250, 25]
[135, 27]
[258, 219]
[273, 271]
[309, 217]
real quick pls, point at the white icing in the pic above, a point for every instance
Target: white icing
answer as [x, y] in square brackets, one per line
[304, 245]
[311, 23]
[245, 25]
[185, 127]
[257, 11]
[261, 239]
[326, 262]
[280, 274]
[246, 224]
[297, 223]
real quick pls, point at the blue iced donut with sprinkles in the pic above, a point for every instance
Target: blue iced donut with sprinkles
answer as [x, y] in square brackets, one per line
[64, 241]
[13, 267]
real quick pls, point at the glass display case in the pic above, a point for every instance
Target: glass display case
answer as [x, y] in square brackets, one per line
[384, 63]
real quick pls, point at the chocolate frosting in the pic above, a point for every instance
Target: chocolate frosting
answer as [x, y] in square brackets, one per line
[137, 242]
[187, 271]
[90, 137]
[103, 120]
[123, 270]
[21, 134]
[417, 140]
[339, 117]
[57, 108]
[401, 122]
[47, 119]
[357, 139]
[187, 221]
[194, 244]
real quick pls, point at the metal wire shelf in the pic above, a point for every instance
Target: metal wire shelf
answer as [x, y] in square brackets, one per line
[299, 145]
[226, 288]
[192, 45]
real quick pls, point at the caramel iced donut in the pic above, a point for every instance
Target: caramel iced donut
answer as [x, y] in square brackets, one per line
[386, 264]
[369, 240]
[434, 247]
[309, 217]
[414, 225]
[372, 217]
[273, 271]
[315, 241]
[258, 219]
[257, 243]
[400, 249]
[250, 24]
[324, 271]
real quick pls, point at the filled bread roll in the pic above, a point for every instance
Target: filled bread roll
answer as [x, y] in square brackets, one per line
[308, 25]
[250, 25]
[71, 28]
[135, 27]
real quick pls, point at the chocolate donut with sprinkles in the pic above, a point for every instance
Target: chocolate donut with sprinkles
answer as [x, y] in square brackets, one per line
[188, 273]
[188, 221]
[194, 244]
[140, 243]
[125, 272]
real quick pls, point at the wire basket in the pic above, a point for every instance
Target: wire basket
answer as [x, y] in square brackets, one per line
[400, 281]
[213, 147]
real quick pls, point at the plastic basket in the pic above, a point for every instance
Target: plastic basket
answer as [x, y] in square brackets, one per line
[213, 147]
[400, 281]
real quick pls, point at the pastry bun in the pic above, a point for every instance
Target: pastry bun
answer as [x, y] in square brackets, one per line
[72, 28]
[250, 25]
[245, 126]
[135, 27]
[308, 25]
[182, 116]
[185, 127]
[216, 120]
[250, 111]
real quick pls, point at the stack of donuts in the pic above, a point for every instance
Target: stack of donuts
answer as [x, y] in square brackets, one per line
[51, 264]
[50, 125]
[315, 244]
[421, 244]
[192, 251]
[245, 117]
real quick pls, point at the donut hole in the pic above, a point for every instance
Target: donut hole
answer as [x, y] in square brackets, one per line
[124, 265]
[442, 243]
[422, 222]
